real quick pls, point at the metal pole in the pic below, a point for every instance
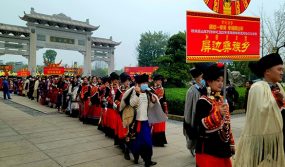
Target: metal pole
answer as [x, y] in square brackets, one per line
[225, 82]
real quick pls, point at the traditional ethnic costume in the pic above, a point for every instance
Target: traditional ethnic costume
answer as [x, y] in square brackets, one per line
[95, 108]
[121, 131]
[65, 97]
[103, 92]
[215, 137]
[147, 112]
[74, 99]
[36, 87]
[54, 92]
[26, 87]
[20, 87]
[192, 96]
[111, 116]
[262, 141]
[85, 100]
[158, 129]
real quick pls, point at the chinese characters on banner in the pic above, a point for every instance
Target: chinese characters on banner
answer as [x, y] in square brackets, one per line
[214, 37]
[140, 70]
[53, 70]
[23, 73]
[73, 71]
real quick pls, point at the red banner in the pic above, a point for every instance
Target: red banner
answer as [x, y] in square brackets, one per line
[53, 70]
[140, 70]
[6, 67]
[214, 37]
[73, 71]
[23, 73]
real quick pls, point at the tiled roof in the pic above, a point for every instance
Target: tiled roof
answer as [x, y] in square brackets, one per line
[58, 18]
[105, 41]
[14, 28]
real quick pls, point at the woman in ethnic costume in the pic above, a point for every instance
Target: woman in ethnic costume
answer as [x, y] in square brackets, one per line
[215, 143]
[121, 131]
[103, 91]
[262, 140]
[95, 108]
[74, 97]
[54, 92]
[65, 97]
[158, 129]
[85, 100]
[111, 112]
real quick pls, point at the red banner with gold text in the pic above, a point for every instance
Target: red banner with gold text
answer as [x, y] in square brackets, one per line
[23, 73]
[140, 70]
[215, 37]
[53, 70]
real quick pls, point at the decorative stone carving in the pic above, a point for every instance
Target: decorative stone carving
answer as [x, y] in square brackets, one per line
[237, 79]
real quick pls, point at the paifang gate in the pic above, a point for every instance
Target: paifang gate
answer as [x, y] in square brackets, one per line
[56, 31]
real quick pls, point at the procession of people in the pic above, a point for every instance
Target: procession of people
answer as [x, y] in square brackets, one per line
[105, 102]
[133, 112]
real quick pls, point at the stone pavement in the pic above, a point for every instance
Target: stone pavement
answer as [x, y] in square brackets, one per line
[49, 139]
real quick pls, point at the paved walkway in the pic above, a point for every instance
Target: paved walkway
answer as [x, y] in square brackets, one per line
[54, 140]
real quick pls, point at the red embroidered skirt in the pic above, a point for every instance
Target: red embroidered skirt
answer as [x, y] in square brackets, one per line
[158, 127]
[94, 111]
[120, 131]
[205, 160]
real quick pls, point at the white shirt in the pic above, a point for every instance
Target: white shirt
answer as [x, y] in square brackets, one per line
[141, 104]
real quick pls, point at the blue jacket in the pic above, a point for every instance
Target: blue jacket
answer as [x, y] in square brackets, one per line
[5, 85]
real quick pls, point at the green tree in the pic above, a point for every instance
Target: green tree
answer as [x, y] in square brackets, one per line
[273, 31]
[100, 72]
[172, 66]
[49, 57]
[151, 46]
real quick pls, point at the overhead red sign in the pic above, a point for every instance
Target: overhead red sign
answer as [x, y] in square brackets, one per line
[214, 37]
[23, 73]
[53, 70]
[140, 70]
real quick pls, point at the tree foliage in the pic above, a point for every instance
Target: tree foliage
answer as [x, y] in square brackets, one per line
[273, 31]
[151, 47]
[100, 72]
[49, 57]
[172, 66]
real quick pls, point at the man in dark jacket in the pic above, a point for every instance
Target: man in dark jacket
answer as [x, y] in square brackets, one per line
[6, 88]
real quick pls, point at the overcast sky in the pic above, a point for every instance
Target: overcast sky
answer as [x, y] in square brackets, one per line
[124, 20]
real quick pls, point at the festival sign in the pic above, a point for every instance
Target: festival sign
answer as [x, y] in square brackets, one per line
[23, 73]
[6, 67]
[140, 70]
[214, 37]
[53, 69]
[73, 71]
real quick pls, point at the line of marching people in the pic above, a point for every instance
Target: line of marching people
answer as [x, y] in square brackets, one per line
[105, 102]
[126, 109]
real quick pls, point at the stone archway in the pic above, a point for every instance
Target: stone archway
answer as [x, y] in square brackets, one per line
[56, 31]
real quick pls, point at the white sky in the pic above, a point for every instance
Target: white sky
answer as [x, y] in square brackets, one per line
[124, 20]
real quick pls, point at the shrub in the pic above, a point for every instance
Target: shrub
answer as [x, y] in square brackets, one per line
[176, 99]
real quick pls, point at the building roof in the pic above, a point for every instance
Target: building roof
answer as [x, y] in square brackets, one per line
[8, 27]
[105, 41]
[58, 18]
